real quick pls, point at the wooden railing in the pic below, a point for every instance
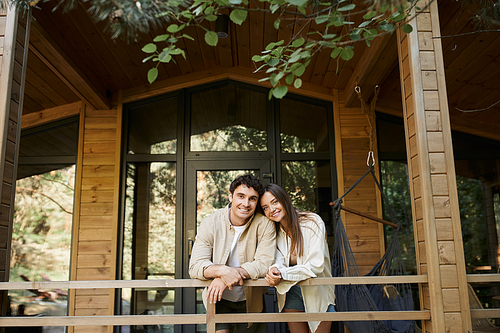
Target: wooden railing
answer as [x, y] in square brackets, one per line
[211, 318]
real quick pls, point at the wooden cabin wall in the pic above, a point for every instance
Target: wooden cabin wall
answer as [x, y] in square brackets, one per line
[96, 213]
[13, 54]
[352, 146]
[431, 170]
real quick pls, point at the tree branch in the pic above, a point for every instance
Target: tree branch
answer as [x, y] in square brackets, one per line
[44, 195]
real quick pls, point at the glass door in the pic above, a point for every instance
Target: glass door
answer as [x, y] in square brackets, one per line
[207, 189]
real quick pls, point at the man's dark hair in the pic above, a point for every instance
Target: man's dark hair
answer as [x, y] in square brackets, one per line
[249, 181]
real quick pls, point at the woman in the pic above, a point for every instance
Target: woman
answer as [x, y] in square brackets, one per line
[302, 253]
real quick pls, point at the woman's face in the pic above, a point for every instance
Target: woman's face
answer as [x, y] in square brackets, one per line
[272, 207]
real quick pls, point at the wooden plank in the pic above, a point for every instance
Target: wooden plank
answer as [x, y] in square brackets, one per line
[94, 247]
[96, 234]
[449, 276]
[439, 184]
[98, 159]
[92, 221]
[91, 312]
[97, 196]
[97, 260]
[99, 135]
[451, 300]
[98, 184]
[66, 70]
[50, 115]
[100, 123]
[104, 147]
[447, 254]
[93, 209]
[100, 273]
[93, 171]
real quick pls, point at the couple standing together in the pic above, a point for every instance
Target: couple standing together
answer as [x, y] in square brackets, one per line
[285, 246]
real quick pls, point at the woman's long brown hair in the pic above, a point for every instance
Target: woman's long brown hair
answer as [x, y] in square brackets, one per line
[290, 222]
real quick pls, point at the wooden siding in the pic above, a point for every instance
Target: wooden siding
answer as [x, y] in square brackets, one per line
[432, 176]
[96, 212]
[352, 146]
[13, 54]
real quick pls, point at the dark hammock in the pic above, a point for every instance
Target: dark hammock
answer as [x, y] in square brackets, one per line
[377, 297]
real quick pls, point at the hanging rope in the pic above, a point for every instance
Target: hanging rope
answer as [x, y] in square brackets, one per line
[370, 116]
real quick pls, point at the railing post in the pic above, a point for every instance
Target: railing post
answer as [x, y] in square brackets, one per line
[210, 317]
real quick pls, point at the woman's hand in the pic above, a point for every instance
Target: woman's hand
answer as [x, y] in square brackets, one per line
[273, 277]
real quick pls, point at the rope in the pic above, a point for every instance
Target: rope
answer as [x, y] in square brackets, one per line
[370, 116]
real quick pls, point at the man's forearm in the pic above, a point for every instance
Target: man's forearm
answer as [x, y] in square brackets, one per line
[214, 271]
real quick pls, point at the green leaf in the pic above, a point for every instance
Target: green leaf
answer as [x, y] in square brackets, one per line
[272, 79]
[211, 38]
[161, 38]
[280, 92]
[398, 17]
[407, 28]
[211, 18]
[322, 19]
[271, 93]
[176, 51]
[298, 83]
[329, 36]
[235, 2]
[147, 58]
[270, 46]
[238, 16]
[336, 51]
[386, 27]
[384, 8]
[347, 8]
[271, 69]
[187, 36]
[337, 21]
[209, 10]
[364, 24]
[298, 42]
[277, 24]
[299, 70]
[273, 62]
[369, 15]
[257, 58]
[298, 3]
[354, 36]
[289, 78]
[152, 75]
[173, 28]
[347, 54]
[149, 48]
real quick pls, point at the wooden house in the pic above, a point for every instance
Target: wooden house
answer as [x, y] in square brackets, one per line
[72, 95]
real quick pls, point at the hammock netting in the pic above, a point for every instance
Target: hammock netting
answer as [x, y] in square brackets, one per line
[376, 297]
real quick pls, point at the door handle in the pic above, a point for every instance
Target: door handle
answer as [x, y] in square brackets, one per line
[190, 237]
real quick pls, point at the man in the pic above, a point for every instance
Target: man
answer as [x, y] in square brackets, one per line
[233, 244]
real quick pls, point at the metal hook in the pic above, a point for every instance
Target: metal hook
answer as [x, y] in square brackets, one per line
[370, 157]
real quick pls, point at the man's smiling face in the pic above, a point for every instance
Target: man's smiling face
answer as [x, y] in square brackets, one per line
[243, 204]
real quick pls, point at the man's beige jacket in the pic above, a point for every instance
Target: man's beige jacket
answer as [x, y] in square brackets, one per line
[256, 249]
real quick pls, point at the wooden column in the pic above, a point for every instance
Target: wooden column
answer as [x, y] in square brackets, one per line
[96, 213]
[14, 35]
[436, 215]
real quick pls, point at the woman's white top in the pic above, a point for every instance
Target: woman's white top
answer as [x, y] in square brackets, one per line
[314, 262]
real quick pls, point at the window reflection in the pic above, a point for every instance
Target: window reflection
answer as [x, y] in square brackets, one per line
[304, 127]
[153, 128]
[149, 237]
[309, 186]
[228, 118]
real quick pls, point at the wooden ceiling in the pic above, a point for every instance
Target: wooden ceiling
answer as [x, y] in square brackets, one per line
[71, 58]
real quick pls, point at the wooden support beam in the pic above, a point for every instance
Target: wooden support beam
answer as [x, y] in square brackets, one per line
[373, 66]
[49, 115]
[44, 47]
[214, 75]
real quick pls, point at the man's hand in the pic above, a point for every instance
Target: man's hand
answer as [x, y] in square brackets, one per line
[215, 290]
[232, 276]
[273, 277]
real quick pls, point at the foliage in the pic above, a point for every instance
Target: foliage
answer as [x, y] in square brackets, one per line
[41, 235]
[394, 181]
[285, 61]
[470, 196]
